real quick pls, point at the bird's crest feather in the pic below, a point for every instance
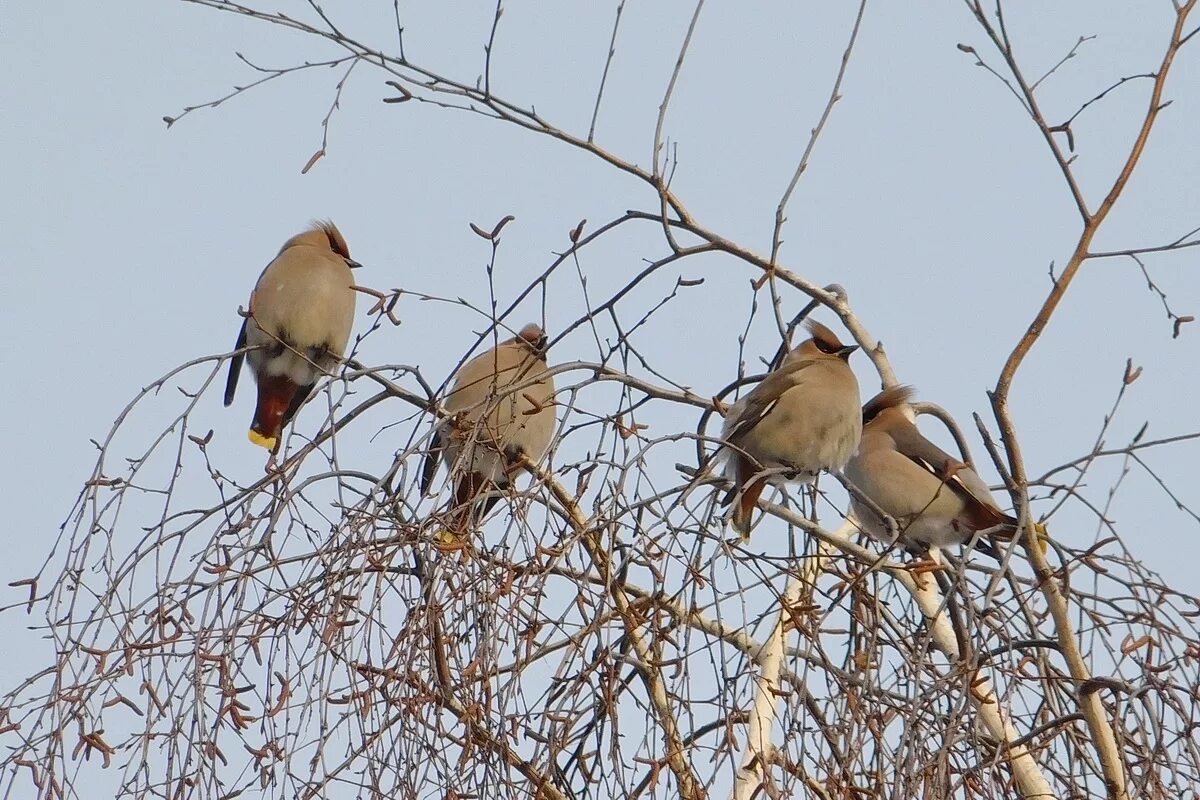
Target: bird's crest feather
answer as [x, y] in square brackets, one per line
[823, 335]
[337, 242]
[889, 398]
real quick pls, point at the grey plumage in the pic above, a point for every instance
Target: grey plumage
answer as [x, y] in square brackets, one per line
[500, 408]
[804, 417]
[934, 498]
[301, 313]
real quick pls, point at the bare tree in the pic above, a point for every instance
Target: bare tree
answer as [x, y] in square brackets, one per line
[308, 635]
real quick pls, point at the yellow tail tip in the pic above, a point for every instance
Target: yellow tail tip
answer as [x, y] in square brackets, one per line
[1043, 536]
[448, 540]
[257, 438]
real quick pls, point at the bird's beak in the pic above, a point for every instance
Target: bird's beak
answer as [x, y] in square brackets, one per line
[844, 353]
[352, 264]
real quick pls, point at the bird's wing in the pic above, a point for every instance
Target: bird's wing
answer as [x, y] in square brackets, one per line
[762, 400]
[960, 477]
[430, 464]
[235, 365]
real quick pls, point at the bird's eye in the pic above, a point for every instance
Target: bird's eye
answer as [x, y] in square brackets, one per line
[826, 347]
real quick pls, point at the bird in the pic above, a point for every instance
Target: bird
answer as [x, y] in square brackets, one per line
[297, 327]
[804, 417]
[935, 499]
[499, 412]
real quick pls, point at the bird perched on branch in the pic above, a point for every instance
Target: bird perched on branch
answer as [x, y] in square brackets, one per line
[297, 326]
[803, 418]
[935, 499]
[500, 411]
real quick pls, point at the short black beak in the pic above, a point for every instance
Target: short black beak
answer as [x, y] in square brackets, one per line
[543, 344]
[844, 353]
[352, 264]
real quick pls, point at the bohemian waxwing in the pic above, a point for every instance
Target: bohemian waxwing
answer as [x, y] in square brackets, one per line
[500, 408]
[935, 499]
[298, 324]
[804, 417]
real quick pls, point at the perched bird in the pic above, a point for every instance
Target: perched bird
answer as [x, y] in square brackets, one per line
[298, 325]
[935, 499]
[500, 408]
[804, 417]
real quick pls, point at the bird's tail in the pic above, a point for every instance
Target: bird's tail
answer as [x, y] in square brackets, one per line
[1043, 535]
[275, 397]
[469, 508]
[1003, 526]
[746, 504]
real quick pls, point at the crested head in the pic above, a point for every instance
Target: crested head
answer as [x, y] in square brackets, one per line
[891, 397]
[825, 339]
[333, 237]
[823, 344]
[322, 233]
[534, 337]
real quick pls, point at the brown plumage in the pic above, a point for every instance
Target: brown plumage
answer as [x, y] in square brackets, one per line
[300, 316]
[935, 498]
[500, 408]
[803, 417]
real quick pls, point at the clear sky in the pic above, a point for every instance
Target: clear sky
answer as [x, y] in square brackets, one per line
[930, 197]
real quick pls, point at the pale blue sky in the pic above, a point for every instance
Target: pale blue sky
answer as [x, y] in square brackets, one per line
[930, 198]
